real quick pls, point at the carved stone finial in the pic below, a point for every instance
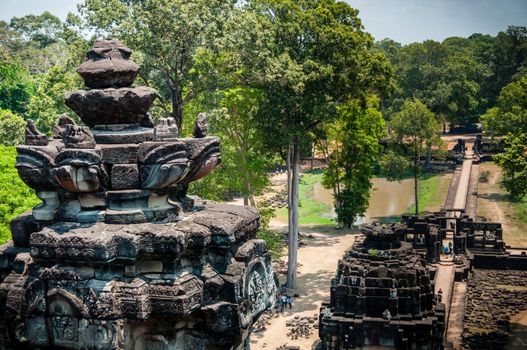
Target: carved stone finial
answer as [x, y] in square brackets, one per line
[33, 136]
[60, 128]
[166, 130]
[76, 136]
[200, 126]
[108, 65]
[172, 126]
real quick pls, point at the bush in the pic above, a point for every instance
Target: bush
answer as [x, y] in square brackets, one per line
[484, 176]
[15, 196]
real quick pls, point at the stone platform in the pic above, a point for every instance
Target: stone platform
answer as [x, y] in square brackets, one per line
[198, 281]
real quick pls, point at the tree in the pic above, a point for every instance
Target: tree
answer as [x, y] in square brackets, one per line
[446, 76]
[16, 86]
[12, 128]
[241, 144]
[510, 114]
[355, 141]
[509, 118]
[47, 103]
[167, 34]
[513, 161]
[321, 57]
[15, 196]
[510, 53]
[36, 40]
[415, 130]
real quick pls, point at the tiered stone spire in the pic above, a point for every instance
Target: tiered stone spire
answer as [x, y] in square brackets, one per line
[118, 256]
[382, 295]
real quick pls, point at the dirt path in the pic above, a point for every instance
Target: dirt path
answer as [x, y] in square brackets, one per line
[497, 209]
[318, 262]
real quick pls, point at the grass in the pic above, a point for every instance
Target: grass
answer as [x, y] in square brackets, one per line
[310, 211]
[494, 204]
[432, 192]
[511, 288]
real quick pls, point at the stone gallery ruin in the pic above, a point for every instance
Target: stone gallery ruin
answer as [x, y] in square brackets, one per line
[118, 255]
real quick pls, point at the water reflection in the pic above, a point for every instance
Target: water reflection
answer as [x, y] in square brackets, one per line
[388, 200]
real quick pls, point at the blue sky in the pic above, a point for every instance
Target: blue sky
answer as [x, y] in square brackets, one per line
[402, 20]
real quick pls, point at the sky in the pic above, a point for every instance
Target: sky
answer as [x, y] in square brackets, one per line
[404, 21]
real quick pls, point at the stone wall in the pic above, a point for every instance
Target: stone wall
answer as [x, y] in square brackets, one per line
[493, 298]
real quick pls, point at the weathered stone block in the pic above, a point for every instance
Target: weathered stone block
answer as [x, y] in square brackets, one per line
[91, 216]
[125, 176]
[119, 154]
[125, 217]
[22, 227]
[129, 136]
[92, 200]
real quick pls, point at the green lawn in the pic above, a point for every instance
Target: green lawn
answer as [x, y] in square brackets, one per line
[311, 212]
[432, 190]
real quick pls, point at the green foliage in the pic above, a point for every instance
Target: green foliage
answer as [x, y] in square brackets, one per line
[415, 125]
[373, 252]
[47, 103]
[15, 196]
[167, 35]
[355, 137]
[274, 240]
[305, 77]
[16, 86]
[510, 115]
[12, 127]
[394, 165]
[241, 144]
[414, 130]
[513, 161]
[459, 78]
[36, 40]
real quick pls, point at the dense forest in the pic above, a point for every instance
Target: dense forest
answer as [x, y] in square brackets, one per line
[279, 80]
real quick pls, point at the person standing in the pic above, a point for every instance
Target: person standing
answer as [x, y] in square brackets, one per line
[290, 301]
[283, 302]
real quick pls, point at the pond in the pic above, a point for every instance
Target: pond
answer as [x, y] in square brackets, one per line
[388, 200]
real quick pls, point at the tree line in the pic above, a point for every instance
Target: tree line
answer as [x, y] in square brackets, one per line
[279, 79]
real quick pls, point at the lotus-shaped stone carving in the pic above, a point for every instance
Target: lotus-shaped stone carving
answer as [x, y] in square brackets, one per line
[163, 164]
[80, 171]
[204, 155]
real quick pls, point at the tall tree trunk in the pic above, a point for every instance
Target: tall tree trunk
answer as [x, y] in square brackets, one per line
[245, 199]
[177, 107]
[293, 237]
[312, 154]
[416, 194]
[428, 157]
[289, 205]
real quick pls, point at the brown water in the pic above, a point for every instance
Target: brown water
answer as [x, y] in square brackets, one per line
[388, 199]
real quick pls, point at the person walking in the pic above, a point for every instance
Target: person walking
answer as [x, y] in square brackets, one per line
[290, 301]
[439, 295]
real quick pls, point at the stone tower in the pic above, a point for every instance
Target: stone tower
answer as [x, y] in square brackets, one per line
[382, 295]
[117, 255]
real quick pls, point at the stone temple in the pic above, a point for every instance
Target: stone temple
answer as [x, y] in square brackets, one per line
[118, 255]
[382, 295]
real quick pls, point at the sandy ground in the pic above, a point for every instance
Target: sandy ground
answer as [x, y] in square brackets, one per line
[494, 205]
[519, 332]
[318, 263]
